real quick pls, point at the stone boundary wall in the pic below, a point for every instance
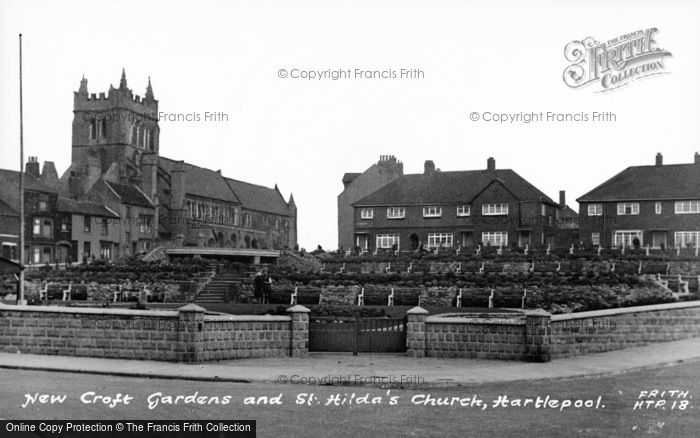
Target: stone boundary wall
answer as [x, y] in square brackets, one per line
[539, 337]
[614, 329]
[183, 335]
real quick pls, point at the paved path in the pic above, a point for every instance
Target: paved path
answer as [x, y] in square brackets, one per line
[372, 368]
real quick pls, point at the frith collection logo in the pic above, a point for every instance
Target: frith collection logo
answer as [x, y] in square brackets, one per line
[614, 63]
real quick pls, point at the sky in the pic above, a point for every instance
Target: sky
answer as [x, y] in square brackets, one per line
[503, 57]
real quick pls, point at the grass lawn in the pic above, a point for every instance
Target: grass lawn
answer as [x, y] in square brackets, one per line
[617, 418]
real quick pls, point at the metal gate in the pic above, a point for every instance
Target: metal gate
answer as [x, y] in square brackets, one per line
[363, 335]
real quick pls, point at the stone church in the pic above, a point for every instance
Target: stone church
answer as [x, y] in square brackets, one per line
[160, 201]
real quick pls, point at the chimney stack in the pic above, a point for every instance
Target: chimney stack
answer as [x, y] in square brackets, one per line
[32, 167]
[491, 164]
[659, 159]
[429, 167]
[562, 199]
[697, 158]
[75, 185]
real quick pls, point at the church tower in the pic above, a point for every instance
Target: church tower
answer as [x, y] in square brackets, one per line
[112, 133]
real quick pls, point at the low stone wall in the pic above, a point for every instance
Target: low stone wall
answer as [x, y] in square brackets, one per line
[509, 337]
[539, 336]
[184, 335]
[614, 329]
[475, 338]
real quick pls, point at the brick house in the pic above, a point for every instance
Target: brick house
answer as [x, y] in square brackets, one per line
[136, 230]
[94, 230]
[494, 207]
[657, 205]
[358, 185]
[47, 239]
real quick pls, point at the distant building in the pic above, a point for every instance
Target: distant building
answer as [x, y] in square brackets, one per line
[495, 207]
[358, 185]
[656, 205]
[117, 174]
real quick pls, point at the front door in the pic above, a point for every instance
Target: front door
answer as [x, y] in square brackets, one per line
[658, 239]
[523, 239]
[361, 241]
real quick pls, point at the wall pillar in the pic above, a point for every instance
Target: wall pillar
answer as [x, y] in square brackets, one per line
[190, 335]
[415, 332]
[537, 336]
[299, 338]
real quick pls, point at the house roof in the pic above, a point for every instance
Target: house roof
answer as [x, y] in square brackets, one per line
[451, 187]
[9, 267]
[87, 208]
[11, 177]
[130, 194]
[205, 183]
[7, 210]
[259, 198]
[674, 181]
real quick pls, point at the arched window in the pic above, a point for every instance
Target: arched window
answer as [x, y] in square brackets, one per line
[93, 129]
[246, 240]
[135, 134]
[141, 136]
[151, 147]
[103, 128]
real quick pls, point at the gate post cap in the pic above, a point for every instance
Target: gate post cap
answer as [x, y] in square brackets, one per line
[298, 309]
[417, 311]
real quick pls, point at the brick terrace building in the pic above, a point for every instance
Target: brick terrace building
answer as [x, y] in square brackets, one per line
[655, 205]
[494, 207]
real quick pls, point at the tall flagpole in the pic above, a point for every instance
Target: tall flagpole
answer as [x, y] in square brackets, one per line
[20, 295]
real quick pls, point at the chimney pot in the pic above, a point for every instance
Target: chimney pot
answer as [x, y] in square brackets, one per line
[659, 159]
[491, 164]
[562, 198]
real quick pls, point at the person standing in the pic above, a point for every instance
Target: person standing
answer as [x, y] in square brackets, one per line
[258, 285]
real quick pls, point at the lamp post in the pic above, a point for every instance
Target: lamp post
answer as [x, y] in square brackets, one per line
[20, 295]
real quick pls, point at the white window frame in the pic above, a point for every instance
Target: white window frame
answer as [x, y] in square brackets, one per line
[687, 207]
[633, 208]
[432, 211]
[595, 238]
[495, 238]
[435, 240]
[395, 212]
[464, 210]
[683, 238]
[496, 209]
[387, 241]
[625, 237]
[658, 208]
[367, 213]
[595, 209]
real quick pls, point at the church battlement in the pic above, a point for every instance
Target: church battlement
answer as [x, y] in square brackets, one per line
[116, 98]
